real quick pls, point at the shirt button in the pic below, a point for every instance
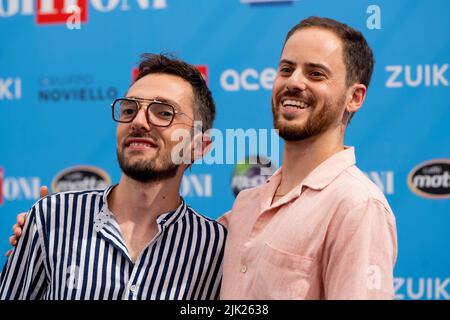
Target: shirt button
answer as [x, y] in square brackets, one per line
[133, 288]
[244, 269]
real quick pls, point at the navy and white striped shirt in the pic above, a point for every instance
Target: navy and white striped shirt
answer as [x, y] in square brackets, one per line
[71, 248]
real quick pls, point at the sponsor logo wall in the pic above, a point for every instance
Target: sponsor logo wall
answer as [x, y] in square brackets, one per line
[63, 62]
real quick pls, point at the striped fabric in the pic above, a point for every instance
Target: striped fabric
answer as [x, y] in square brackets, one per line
[71, 248]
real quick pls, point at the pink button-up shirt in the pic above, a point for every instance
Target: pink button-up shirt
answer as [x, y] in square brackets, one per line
[332, 237]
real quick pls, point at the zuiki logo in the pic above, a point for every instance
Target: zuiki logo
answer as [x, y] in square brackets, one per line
[10, 88]
[431, 179]
[59, 11]
[414, 76]
[81, 178]
[18, 188]
[421, 288]
[251, 172]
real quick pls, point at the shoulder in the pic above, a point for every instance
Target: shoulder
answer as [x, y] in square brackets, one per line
[204, 220]
[355, 189]
[61, 202]
[56, 199]
[248, 197]
[357, 199]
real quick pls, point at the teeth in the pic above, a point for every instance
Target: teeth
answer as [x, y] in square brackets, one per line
[134, 144]
[294, 103]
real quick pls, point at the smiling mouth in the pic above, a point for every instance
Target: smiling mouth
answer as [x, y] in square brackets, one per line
[290, 103]
[140, 144]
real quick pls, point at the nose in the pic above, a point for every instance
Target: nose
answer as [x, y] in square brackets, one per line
[140, 122]
[296, 81]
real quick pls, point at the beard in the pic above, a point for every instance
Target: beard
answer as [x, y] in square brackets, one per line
[147, 170]
[317, 122]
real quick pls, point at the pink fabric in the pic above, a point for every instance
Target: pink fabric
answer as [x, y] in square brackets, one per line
[332, 237]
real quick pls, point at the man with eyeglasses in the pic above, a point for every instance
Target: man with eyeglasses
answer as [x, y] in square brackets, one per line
[137, 239]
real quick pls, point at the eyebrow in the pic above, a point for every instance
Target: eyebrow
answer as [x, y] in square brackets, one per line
[308, 64]
[318, 65]
[285, 61]
[159, 98]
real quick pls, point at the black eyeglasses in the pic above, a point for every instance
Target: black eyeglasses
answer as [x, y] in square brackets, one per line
[158, 113]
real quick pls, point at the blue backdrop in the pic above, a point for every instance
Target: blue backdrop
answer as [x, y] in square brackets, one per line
[57, 80]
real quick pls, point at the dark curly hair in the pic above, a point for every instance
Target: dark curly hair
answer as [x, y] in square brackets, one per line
[204, 106]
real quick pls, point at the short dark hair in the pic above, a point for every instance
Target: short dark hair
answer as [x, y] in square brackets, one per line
[204, 106]
[358, 57]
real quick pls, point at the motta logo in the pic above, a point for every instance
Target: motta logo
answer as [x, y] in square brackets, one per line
[81, 178]
[202, 68]
[251, 172]
[431, 179]
[60, 11]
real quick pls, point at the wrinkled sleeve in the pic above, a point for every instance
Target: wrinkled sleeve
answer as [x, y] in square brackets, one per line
[360, 253]
[24, 276]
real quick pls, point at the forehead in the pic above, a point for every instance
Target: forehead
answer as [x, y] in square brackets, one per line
[163, 86]
[314, 45]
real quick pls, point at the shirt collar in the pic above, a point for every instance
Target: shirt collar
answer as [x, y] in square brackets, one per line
[328, 170]
[171, 217]
[105, 222]
[105, 215]
[317, 179]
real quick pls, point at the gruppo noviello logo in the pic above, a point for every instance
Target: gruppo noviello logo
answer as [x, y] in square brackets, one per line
[59, 11]
[80, 178]
[74, 88]
[431, 179]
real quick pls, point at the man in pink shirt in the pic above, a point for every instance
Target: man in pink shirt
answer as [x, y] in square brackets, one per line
[319, 228]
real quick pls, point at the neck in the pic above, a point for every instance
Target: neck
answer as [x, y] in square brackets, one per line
[302, 157]
[142, 203]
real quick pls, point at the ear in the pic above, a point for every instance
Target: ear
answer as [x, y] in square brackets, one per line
[201, 145]
[357, 94]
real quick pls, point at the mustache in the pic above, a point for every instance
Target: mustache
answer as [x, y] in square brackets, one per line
[296, 94]
[138, 134]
